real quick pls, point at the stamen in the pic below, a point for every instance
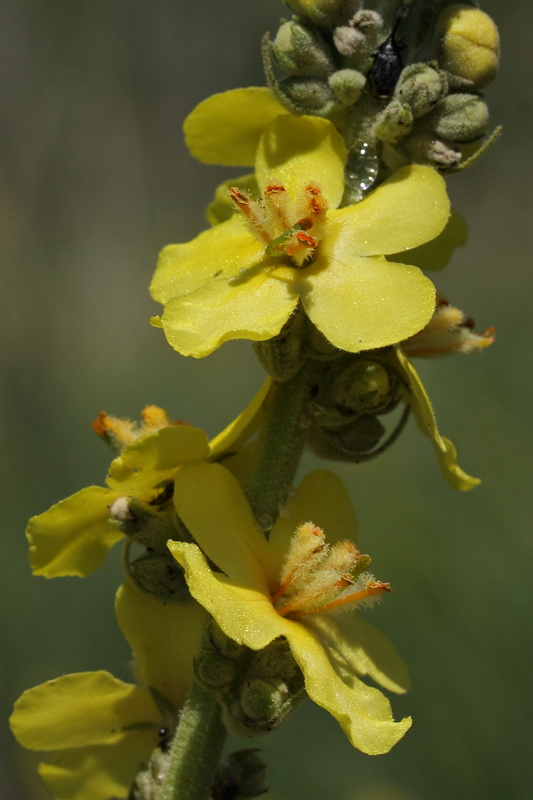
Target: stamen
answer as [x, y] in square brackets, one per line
[251, 210]
[371, 590]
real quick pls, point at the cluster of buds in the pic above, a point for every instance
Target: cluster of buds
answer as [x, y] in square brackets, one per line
[436, 109]
[257, 689]
[366, 75]
[352, 396]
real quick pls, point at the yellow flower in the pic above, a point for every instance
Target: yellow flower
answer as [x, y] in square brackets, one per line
[250, 597]
[235, 281]
[103, 729]
[74, 536]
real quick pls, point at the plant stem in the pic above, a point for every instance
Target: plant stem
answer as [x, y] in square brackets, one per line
[280, 445]
[196, 749]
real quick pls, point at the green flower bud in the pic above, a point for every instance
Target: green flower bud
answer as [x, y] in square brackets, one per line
[348, 40]
[300, 51]
[282, 356]
[394, 122]
[460, 118]
[322, 12]
[347, 85]
[469, 44]
[262, 701]
[307, 96]
[159, 576]
[363, 386]
[420, 87]
[213, 669]
[354, 442]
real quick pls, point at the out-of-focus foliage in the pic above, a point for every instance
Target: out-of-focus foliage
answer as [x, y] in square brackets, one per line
[94, 179]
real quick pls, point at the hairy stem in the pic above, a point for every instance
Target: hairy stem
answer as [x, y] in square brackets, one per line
[196, 749]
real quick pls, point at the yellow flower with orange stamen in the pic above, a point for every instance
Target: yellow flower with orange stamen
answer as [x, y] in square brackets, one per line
[245, 277]
[294, 586]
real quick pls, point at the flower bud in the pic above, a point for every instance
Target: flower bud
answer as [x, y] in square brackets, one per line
[300, 51]
[347, 85]
[348, 40]
[262, 701]
[322, 12]
[420, 87]
[469, 44]
[460, 118]
[160, 577]
[362, 386]
[308, 96]
[394, 122]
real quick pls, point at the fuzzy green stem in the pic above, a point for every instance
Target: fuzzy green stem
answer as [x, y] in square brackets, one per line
[280, 445]
[196, 749]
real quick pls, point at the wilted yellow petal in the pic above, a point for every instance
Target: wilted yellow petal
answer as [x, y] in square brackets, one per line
[154, 459]
[244, 613]
[81, 709]
[363, 712]
[224, 526]
[74, 536]
[98, 772]
[446, 452]
[366, 650]
[164, 638]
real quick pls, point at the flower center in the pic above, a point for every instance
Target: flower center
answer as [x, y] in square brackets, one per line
[284, 227]
[316, 577]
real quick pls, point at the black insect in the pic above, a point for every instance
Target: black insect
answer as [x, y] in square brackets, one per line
[385, 71]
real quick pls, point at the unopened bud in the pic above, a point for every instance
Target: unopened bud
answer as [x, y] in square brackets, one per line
[420, 87]
[262, 701]
[300, 51]
[469, 44]
[322, 12]
[394, 122]
[347, 85]
[308, 96]
[460, 118]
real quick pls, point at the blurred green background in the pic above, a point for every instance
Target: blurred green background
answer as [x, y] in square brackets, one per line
[94, 180]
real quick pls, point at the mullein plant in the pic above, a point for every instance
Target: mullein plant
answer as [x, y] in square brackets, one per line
[244, 587]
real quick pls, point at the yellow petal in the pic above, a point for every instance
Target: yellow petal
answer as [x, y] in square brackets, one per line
[225, 128]
[164, 638]
[254, 306]
[212, 505]
[295, 151]
[226, 250]
[407, 210]
[364, 303]
[74, 536]
[241, 427]
[437, 253]
[363, 712]
[154, 459]
[245, 614]
[321, 498]
[98, 772]
[446, 452]
[366, 650]
[221, 208]
[81, 709]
